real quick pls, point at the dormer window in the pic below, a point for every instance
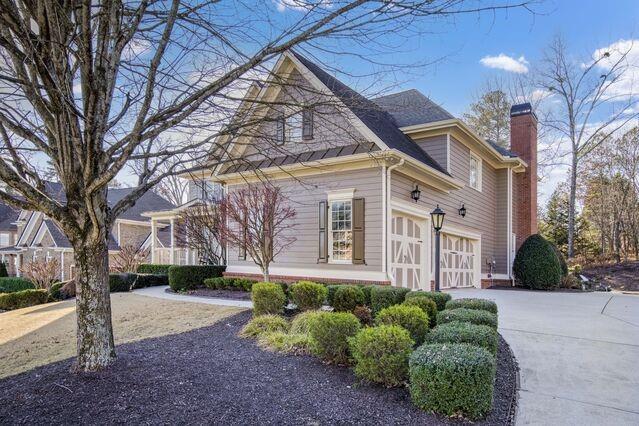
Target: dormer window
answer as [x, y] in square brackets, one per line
[295, 127]
[475, 172]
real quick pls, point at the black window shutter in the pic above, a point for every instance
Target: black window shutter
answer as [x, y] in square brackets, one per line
[279, 134]
[307, 123]
[323, 233]
[358, 231]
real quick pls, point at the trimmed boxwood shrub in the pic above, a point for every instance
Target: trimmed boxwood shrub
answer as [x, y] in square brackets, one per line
[381, 354]
[465, 332]
[190, 277]
[427, 305]
[121, 282]
[347, 297]
[438, 297]
[329, 333]
[385, 296]
[472, 303]
[23, 299]
[268, 298]
[473, 316]
[536, 265]
[288, 343]
[3, 270]
[562, 260]
[265, 324]
[308, 295]
[54, 291]
[412, 318]
[366, 288]
[150, 280]
[153, 268]
[11, 284]
[452, 379]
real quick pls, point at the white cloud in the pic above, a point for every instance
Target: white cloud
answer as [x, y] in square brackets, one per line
[628, 83]
[283, 5]
[506, 63]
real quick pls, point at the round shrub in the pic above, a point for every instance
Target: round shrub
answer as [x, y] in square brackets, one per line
[471, 303]
[308, 295]
[366, 288]
[363, 314]
[264, 324]
[473, 316]
[562, 260]
[381, 354]
[465, 332]
[329, 333]
[347, 297]
[384, 296]
[121, 282]
[427, 305]
[23, 299]
[438, 297]
[536, 265]
[268, 298]
[54, 291]
[301, 323]
[452, 378]
[412, 318]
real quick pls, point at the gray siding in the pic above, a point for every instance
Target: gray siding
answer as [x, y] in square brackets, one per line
[481, 216]
[304, 196]
[437, 148]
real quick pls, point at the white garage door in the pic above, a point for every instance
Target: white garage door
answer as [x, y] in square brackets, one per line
[407, 262]
[458, 261]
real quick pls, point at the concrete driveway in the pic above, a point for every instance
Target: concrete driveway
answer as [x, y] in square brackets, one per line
[578, 354]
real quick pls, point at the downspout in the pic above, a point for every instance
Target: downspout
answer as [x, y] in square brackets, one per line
[388, 218]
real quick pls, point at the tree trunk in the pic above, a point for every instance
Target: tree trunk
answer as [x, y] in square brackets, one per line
[571, 208]
[265, 273]
[95, 346]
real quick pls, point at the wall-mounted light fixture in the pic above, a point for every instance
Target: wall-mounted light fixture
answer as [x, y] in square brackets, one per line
[462, 210]
[415, 193]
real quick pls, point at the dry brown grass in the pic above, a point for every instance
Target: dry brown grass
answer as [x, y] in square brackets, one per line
[39, 335]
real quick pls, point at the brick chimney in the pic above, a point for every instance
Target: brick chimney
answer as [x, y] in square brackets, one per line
[523, 143]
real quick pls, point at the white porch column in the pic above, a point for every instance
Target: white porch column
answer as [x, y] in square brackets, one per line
[153, 236]
[172, 241]
[18, 264]
[62, 266]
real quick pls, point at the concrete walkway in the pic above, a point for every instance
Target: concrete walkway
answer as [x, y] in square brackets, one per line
[160, 292]
[578, 354]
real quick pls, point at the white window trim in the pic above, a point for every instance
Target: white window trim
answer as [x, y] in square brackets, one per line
[479, 171]
[333, 196]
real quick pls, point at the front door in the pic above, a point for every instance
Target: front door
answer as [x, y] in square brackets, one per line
[457, 261]
[407, 262]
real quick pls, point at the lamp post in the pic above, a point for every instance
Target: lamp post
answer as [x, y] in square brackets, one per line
[437, 217]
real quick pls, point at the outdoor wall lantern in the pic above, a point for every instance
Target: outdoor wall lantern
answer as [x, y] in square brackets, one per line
[415, 193]
[437, 217]
[462, 210]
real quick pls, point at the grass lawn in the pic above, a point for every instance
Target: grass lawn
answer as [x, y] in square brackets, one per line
[39, 335]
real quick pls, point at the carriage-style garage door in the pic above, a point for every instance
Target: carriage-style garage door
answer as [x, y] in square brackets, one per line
[458, 257]
[407, 242]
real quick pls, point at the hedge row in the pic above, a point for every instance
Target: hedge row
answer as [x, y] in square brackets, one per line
[229, 283]
[190, 277]
[23, 299]
[153, 268]
[12, 284]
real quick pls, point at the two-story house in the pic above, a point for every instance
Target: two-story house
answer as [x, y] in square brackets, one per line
[364, 175]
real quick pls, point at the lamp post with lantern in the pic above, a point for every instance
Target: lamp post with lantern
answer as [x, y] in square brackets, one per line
[437, 218]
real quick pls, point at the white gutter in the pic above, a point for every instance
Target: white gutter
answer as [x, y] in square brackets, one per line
[387, 218]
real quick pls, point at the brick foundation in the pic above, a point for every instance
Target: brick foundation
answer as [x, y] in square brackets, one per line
[291, 279]
[487, 283]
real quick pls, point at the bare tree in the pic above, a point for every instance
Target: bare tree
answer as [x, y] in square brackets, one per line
[42, 272]
[586, 90]
[200, 229]
[91, 85]
[129, 258]
[259, 222]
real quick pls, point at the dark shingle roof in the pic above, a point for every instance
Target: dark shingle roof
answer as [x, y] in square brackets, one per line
[150, 201]
[376, 119]
[503, 151]
[62, 241]
[410, 107]
[8, 215]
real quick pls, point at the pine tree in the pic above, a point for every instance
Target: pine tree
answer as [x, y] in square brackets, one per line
[490, 117]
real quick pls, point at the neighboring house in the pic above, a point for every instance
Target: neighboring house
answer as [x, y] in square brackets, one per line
[35, 236]
[8, 236]
[351, 170]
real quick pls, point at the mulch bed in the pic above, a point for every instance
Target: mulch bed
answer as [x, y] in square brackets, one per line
[622, 276]
[221, 294]
[210, 375]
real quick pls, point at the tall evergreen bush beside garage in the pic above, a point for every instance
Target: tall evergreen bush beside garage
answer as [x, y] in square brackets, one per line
[536, 264]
